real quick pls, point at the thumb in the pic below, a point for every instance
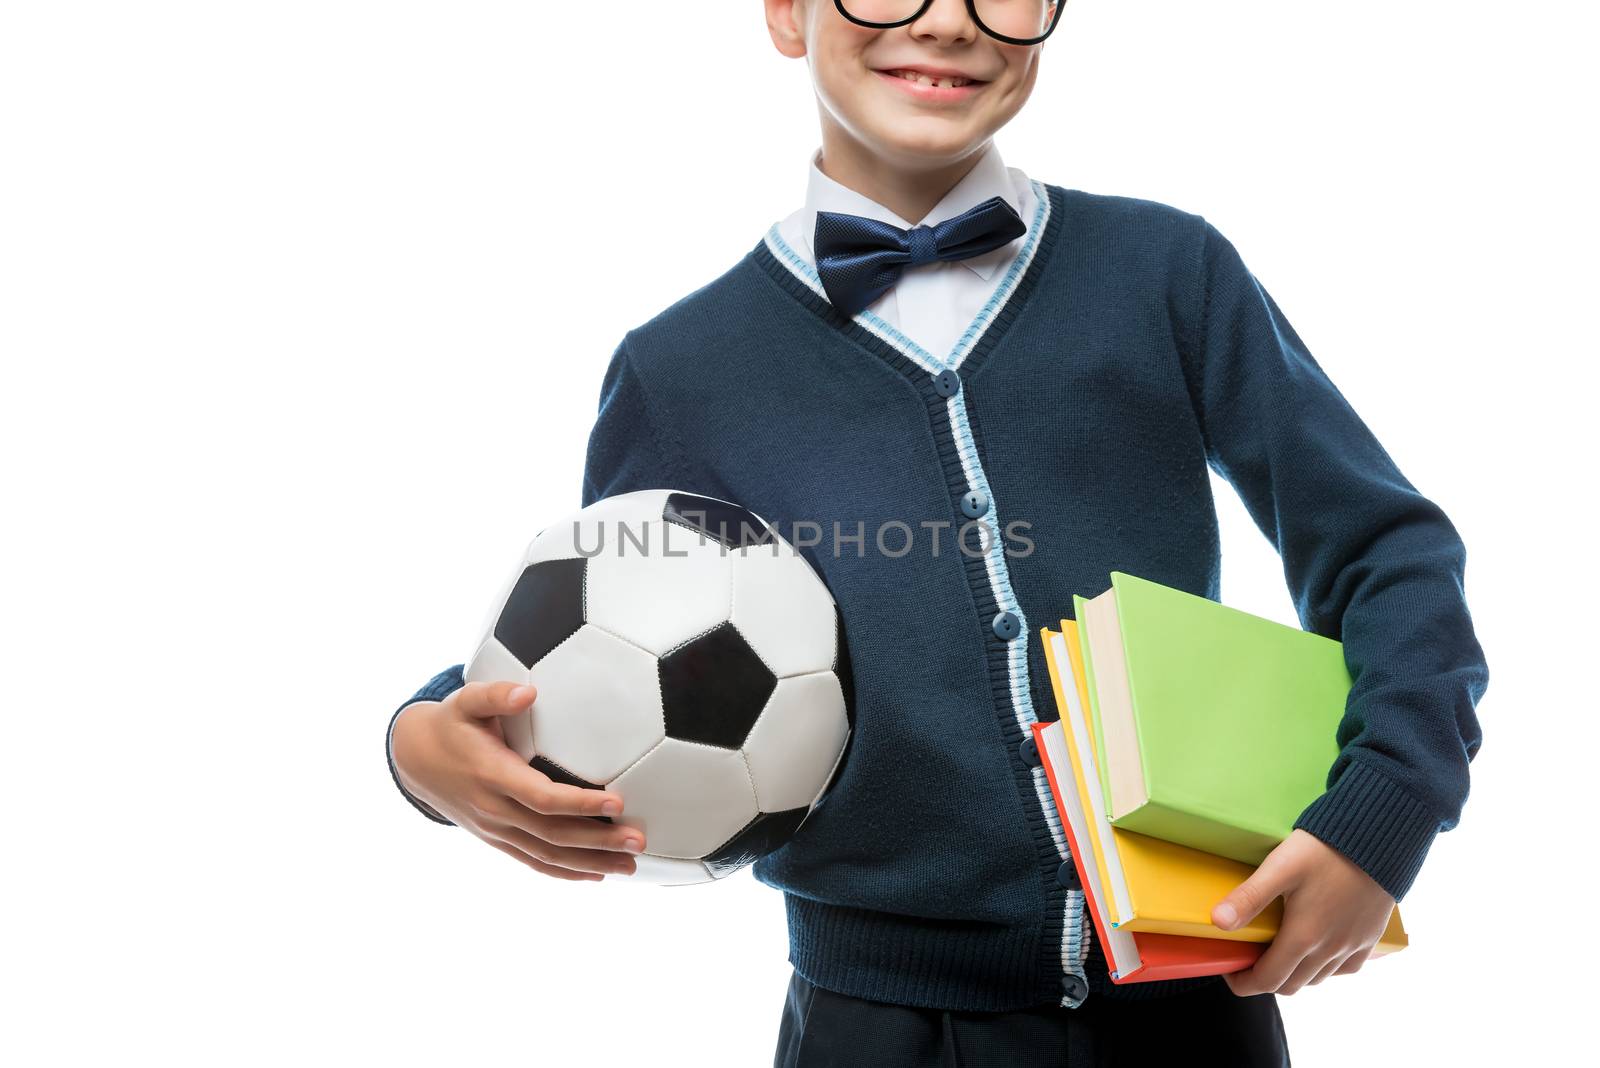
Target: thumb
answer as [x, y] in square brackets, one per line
[485, 700]
[1251, 896]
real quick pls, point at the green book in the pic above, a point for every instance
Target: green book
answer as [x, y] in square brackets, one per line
[1216, 727]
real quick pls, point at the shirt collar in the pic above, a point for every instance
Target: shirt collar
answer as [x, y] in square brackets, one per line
[988, 178]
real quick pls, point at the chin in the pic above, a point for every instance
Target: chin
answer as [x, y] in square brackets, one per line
[930, 139]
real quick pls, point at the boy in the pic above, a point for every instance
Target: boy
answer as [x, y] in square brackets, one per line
[1030, 353]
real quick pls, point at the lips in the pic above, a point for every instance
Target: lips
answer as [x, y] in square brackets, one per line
[938, 79]
[934, 88]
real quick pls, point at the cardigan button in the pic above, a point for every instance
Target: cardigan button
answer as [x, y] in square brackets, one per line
[947, 384]
[1030, 751]
[974, 504]
[1006, 626]
[1074, 987]
[1067, 876]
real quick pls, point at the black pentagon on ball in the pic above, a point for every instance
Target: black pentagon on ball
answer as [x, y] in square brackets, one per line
[713, 688]
[544, 609]
[730, 524]
[759, 837]
[557, 773]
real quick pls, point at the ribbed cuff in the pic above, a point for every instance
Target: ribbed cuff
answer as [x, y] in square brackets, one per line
[437, 688]
[1376, 823]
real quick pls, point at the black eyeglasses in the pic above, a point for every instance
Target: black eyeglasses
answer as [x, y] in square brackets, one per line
[1018, 22]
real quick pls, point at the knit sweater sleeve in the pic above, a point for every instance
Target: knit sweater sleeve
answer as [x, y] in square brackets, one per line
[626, 451]
[629, 447]
[1369, 560]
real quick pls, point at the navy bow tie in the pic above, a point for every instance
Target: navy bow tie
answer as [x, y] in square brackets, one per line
[859, 259]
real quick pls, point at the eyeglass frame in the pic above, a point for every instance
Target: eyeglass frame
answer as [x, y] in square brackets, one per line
[972, 9]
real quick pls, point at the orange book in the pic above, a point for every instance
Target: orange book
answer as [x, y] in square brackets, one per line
[1132, 956]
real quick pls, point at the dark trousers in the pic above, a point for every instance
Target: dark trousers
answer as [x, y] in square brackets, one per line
[824, 1029]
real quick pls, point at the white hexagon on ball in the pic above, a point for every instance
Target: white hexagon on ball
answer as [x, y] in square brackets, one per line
[657, 585]
[793, 747]
[783, 610]
[597, 706]
[687, 798]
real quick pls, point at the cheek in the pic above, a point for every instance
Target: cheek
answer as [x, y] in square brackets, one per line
[1022, 67]
[1015, 90]
[841, 72]
[846, 86]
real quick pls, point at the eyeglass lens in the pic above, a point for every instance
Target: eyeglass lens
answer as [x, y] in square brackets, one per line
[1024, 19]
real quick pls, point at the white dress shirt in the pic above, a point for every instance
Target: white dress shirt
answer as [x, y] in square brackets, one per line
[933, 303]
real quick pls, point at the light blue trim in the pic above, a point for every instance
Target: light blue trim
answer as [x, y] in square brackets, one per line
[866, 319]
[980, 322]
[1073, 948]
[1019, 264]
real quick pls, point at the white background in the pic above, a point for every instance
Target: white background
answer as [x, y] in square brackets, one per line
[303, 312]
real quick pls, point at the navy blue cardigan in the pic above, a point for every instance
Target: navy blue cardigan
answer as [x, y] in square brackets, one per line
[1127, 349]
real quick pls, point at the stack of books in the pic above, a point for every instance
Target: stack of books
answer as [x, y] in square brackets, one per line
[1191, 736]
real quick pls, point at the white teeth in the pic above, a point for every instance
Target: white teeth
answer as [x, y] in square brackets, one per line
[927, 79]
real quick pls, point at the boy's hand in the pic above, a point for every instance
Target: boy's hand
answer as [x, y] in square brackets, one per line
[452, 755]
[1333, 915]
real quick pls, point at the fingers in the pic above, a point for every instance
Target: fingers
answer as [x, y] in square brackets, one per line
[531, 816]
[598, 861]
[1270, 880]
[557, 812]
[579, 833]
[1274, 966]
[484, 700]
[540, 866]
[1340, 962]
[565, 830]
[1311, 966]
[1293, 965]
[537, 791]
[1353, 963]
[1335, 962]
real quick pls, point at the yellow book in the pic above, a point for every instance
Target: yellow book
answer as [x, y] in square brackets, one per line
[1076, 740]
[1153, 885]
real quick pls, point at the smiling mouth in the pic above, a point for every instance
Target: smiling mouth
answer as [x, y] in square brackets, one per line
[941, 82]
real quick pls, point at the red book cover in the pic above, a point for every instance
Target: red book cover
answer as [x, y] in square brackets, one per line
[1159, 956]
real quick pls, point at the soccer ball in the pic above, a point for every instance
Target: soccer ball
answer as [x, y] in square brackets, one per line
[686, 657]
